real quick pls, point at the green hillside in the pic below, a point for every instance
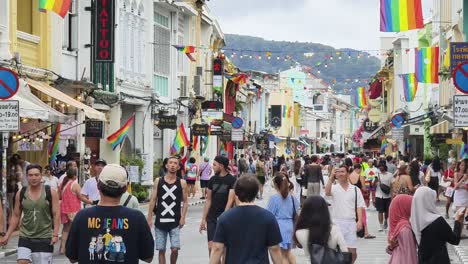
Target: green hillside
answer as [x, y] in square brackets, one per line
[345, 70]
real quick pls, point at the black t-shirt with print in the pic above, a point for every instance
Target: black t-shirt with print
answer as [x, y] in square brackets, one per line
[220, 187]
[104, 234]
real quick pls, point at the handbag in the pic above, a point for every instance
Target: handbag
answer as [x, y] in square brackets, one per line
[359, 233]
[385, 188]
[324, 255]
[294, 214]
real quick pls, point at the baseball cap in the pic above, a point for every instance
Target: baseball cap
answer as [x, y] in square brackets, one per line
[100, 161]
[113, 176]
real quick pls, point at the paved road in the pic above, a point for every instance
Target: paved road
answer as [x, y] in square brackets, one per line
[194, 249]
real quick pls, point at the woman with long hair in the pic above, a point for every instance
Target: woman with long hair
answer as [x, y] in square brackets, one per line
[460, 197]
[402, 183]
[401, 243]
[296, 178]
[415, 173]
[356, 179]
[435, 174]
[449, 176]
[284, 207]
[71, 203]
[314, 226]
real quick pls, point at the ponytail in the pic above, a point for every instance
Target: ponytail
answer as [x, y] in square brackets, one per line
[282, 184]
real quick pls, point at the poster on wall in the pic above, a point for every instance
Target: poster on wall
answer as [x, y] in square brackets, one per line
[145, 173]
[133, 173]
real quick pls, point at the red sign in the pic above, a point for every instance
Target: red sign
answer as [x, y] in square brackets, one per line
[304, 131]
[104, 27]
[218, 68]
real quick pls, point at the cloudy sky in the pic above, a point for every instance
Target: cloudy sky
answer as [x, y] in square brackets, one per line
[339, 23]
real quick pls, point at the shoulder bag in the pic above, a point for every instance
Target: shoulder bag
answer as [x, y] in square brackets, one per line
[320, 255]
[359, 233]
[385, 188]
[294, 213]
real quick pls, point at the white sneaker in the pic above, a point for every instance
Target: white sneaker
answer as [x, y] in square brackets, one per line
[381, 229]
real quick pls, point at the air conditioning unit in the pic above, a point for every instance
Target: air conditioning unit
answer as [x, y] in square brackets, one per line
[184, 93]
[199, 71]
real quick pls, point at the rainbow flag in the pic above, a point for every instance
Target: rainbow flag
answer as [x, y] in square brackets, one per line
[60, 7]
[240, 79]
[463, 151]
[53, 143]
[427, 65]
[383, 145]
[118, 137]
[180, 140]
[195, 143]
[360, 99]
[410, 86]
[400, 15]
[204, 141]
[188, 50]
[289, 111]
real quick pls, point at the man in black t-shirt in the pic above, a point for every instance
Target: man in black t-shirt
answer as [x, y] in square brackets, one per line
[110, 233]
[246, 233]
[219, 197]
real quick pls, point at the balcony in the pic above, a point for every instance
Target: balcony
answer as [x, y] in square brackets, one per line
[28, 47]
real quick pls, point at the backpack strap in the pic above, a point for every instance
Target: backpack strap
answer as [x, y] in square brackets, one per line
[128, 200]
[22, 195]
[48, 193]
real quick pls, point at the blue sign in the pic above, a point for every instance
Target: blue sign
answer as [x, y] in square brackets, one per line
[237, 123]
[271, 138]
[288, 151]
[9, 83]
[458, 54]
[460, 77]
[397, 120]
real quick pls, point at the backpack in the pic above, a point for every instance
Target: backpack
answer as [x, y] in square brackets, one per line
[48, 199]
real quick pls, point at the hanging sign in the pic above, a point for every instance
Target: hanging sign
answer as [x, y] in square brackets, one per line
[94, 129]
[237, 123]
[104, 25]
[370, 126]
[237, 134]
[200, 130]
[168, 122]
[458, 54]
[460, 111]
[375, 115]
[9, 83]
[212, 105]
[9, 115]
[460, 77]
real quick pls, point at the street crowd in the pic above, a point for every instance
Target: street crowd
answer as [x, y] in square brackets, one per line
[319, 206]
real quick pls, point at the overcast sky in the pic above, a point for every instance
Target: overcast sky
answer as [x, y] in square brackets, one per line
[339, 23]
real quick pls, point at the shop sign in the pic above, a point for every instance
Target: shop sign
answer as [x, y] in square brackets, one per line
[460, 111]
[104, 25]
[167, 122]
[370, 126]
[212, 115]
[218, 83]
[9, 115]
[94, 129]
[458, 54]
[398, 134]
[212, 105]
[375, 115]
[237, 134]
[199, 130]
[216, 130]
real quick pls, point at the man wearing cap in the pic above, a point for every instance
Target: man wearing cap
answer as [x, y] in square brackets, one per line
[219, 197]
[108, 232]
[90, 187]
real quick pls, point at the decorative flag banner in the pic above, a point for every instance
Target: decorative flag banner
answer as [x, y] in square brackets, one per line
[180, 140]
[464, 151]
[239, 79]
[427, 65]
[118, 137]
[360, 99]
[195, 142]
[289, 111]
[204, 141]
[383, 145]
[400, 15]
[60, 7]
[54, 143]
[410, 86]
[188, 50]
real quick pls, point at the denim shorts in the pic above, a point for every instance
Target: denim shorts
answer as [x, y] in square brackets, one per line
[161, 238]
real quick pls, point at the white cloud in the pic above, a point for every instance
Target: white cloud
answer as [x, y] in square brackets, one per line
[339, 23]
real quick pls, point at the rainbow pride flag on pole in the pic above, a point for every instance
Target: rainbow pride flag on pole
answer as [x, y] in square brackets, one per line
[60, 7]
[118, 137]
[400, 15]
[427, 65]
[53, 143]
[410, 86]
[383, 146]
[360, 99]
[180, 140]
[188, 50]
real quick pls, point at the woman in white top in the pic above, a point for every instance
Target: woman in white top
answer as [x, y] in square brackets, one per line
[314, 226]
[50, 179]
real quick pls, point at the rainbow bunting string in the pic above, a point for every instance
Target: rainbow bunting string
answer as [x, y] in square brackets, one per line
[118, 137]
[60, 7]
[410, 86]
[360, 99]
[180, 140]
[427, 65]
[188, 50]
[400, 15]
[53, 145]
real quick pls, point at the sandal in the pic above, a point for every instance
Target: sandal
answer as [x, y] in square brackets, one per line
[369, 237]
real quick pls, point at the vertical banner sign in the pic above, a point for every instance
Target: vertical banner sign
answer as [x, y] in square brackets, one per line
[218, 70]
[104, 17]
[458, 54]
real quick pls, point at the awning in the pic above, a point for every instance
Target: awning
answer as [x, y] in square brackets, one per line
[440, 128]
[33, 108]
[58, 95]
[373, 135]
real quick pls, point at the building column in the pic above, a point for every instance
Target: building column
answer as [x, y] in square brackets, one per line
[5, 30]
[144, 141]
[112, 125]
